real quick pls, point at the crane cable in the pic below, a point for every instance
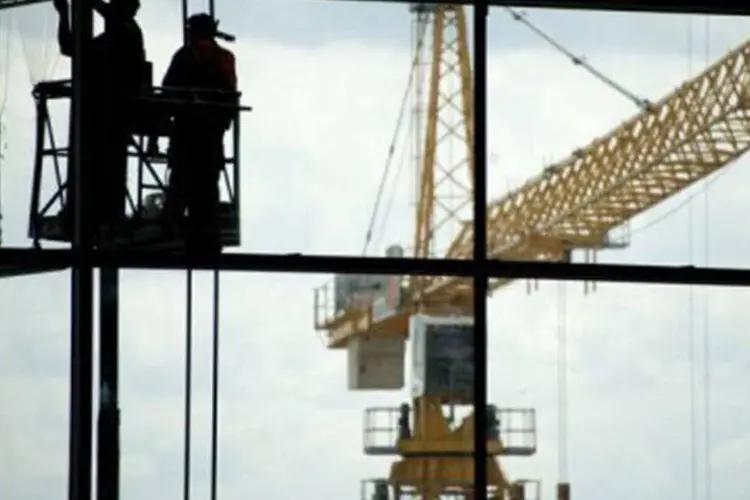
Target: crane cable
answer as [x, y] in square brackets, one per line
[686, 202]
[707, 183]
[705, 340]
[188, 411]
[644, 104]
[392, 148]
[706, 322]
[522, 17]
[5, 42]
[562, 384]
[5, 38]
[402, 161]
[389, 204]
[691, 312]
[706, 345]
[691, 307]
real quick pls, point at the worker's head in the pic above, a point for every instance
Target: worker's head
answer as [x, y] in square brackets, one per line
[201, 27]
[126, 8]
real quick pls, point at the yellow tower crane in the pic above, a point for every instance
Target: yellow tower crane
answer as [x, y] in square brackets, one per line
[701, 127]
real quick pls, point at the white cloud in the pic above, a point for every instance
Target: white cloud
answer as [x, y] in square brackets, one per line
[313, 150]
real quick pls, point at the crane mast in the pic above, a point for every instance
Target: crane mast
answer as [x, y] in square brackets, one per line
[447, 162]
[436, 451]
[432, 434]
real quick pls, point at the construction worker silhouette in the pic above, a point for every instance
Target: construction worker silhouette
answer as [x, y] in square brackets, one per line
[196, 147]
[117, 66]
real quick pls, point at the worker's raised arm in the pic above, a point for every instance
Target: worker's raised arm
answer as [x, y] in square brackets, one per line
[64, 35]
[102, 8]
[117, 11]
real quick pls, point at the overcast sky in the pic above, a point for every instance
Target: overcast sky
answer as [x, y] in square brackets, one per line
[326, 79]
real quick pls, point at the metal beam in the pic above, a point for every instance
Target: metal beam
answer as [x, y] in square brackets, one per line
[14, 271]
[108, 443]
[481, 280]
[11, 4]
[324, 264]
[81, 296]
[717, 7]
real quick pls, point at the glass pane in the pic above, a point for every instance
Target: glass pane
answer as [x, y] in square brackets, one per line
[626, 381]
[34, 370]
[625, 367]
[617, 371]
[311, 153]
[599, 156]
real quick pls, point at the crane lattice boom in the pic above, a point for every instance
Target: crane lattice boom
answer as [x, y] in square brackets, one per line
[701, 127]
[696, 130]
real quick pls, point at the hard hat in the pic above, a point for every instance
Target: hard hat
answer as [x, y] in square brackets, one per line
[202, 25]
[129, 7]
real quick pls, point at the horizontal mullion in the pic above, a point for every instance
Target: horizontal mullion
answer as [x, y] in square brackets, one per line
[720, 7]
[295, 263]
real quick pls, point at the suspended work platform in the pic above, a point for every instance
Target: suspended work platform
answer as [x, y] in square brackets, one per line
[388, 431]
[147, 172]
[383, 489]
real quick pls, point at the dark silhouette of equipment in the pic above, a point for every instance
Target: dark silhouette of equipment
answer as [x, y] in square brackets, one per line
[119, 58]
[149, 118]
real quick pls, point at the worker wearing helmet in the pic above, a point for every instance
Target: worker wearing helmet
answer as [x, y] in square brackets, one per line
[196, 149]
[117, 71]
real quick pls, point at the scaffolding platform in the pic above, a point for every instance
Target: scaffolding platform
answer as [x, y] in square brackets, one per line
[515, 434]
[151, 120]
[382, 489]
[145, 234]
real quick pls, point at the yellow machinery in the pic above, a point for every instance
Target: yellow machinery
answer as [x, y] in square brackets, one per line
[698, 129]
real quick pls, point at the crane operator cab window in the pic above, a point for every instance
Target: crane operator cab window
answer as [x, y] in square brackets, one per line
[156, 183]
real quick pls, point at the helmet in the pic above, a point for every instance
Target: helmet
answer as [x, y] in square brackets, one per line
[202, 26]
[129, 8]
